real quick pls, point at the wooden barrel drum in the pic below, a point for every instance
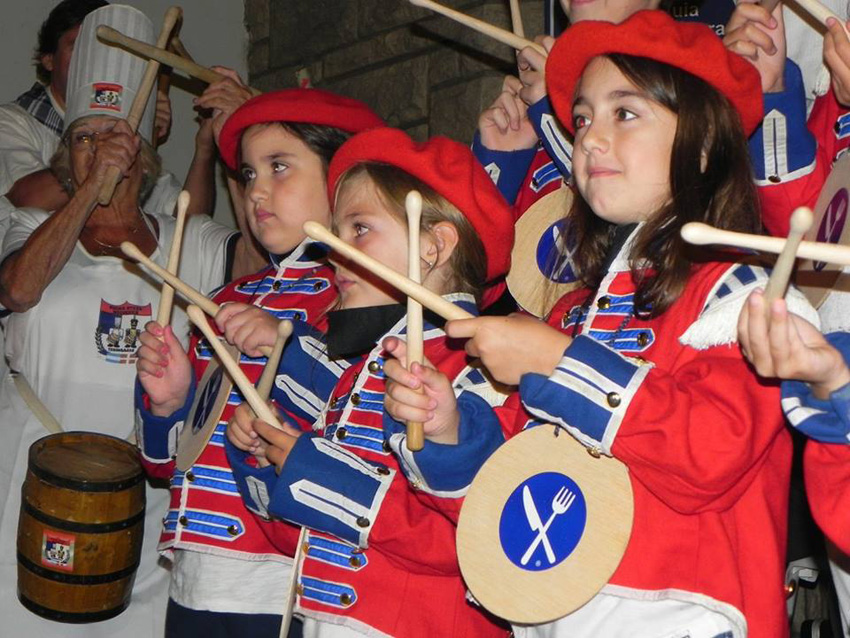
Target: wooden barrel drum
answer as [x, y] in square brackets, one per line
[80, 527]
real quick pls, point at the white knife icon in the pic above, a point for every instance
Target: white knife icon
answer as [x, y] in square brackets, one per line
[536, 524]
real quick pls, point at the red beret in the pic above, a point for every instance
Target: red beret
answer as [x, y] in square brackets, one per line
[452, 171]
[307, 106]
[692, 47]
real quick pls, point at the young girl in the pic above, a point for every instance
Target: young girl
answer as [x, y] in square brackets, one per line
[380, 560]
[642, 364]
[281, 144]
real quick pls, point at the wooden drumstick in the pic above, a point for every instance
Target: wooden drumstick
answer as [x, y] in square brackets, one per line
[500, 35]
[145, 50]
[113, 176]
[516, 19]
[204, 303]
[818, 10]
[702, 234]
[266, 382]
[415, 346]
[801, 221]
[166, 298]
[420, 293]
[176, 46]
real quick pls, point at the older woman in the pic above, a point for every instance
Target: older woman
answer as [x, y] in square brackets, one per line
[78, 307]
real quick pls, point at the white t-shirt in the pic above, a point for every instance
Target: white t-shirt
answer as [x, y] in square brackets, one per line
[76, 348]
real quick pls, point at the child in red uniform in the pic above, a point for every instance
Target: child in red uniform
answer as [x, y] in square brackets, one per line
[281, 144]
[379, 560]
[642, 364]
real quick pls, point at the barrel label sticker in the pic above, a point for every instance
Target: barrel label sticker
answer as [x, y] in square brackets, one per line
[833, 222]
[543, 521]
[57, 551]
[555, 254]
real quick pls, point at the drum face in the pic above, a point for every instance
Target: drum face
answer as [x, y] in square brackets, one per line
[80, 527]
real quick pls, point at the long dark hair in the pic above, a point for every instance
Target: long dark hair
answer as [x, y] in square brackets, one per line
[710, 181]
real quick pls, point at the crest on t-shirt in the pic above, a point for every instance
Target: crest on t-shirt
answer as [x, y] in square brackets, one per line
[118, 328]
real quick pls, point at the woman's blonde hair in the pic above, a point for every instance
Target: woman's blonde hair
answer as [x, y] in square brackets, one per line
[468, 263]
[60, 164]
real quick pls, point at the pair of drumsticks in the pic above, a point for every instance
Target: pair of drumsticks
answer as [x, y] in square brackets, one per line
[517, 40]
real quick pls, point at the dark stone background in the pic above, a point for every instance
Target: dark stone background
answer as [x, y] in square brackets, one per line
[421, 72]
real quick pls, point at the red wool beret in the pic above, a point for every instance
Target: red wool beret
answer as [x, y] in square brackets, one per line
[306, 106]
[452, 171]
[692, 47]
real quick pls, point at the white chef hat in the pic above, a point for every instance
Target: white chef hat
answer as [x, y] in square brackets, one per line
[104, 79]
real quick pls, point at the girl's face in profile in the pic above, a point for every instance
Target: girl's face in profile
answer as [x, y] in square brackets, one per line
[362, 219]
[623, 145]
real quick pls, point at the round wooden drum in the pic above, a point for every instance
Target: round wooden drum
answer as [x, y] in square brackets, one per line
[80, 528]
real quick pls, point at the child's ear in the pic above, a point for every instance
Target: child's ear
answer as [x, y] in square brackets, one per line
[439, 244]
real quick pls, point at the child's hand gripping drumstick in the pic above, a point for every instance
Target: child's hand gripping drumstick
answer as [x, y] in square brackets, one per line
[415, 347]
[137, 109]
[166, 298]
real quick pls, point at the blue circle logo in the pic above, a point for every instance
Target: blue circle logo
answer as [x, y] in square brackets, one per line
[542, 521]
[207, 400]
[555, 254]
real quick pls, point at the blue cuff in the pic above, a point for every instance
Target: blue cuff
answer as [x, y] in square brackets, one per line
[255, 483]
[553, 137]
[828, 420]
[447, 470]
[588, 394]
[507, 169]
[157, 436]
[783, 148]
[325, 487]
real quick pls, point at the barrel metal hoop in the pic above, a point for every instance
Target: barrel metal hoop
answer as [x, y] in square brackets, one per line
[85, 486]
[81, 528]
[71, 616]
[76, 579]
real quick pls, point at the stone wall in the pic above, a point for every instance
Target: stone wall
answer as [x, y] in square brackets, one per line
[421, 72]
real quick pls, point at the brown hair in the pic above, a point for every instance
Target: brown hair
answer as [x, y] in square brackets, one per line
[708, 134]
[468, 263]
[60, 164]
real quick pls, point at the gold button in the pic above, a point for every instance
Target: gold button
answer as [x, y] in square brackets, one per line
[565, 320]
[276, 286]
[355, 399]
[383, 470]
[305, 547]
[183, 521]
[164, 520]
[345, 599]
[190, 476]
[374, 367]
[386, 445]
[341, 433]
[642, 339]
[614, 399]
[774, 179]
[299, 589]
[640, 360]
[318, 285]
[334, 403]
[594, 452]
[355, 561]
[603, 303]
[362, 521]
[232, 530]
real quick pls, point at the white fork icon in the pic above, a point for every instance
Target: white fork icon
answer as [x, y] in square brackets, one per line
[560, 504]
